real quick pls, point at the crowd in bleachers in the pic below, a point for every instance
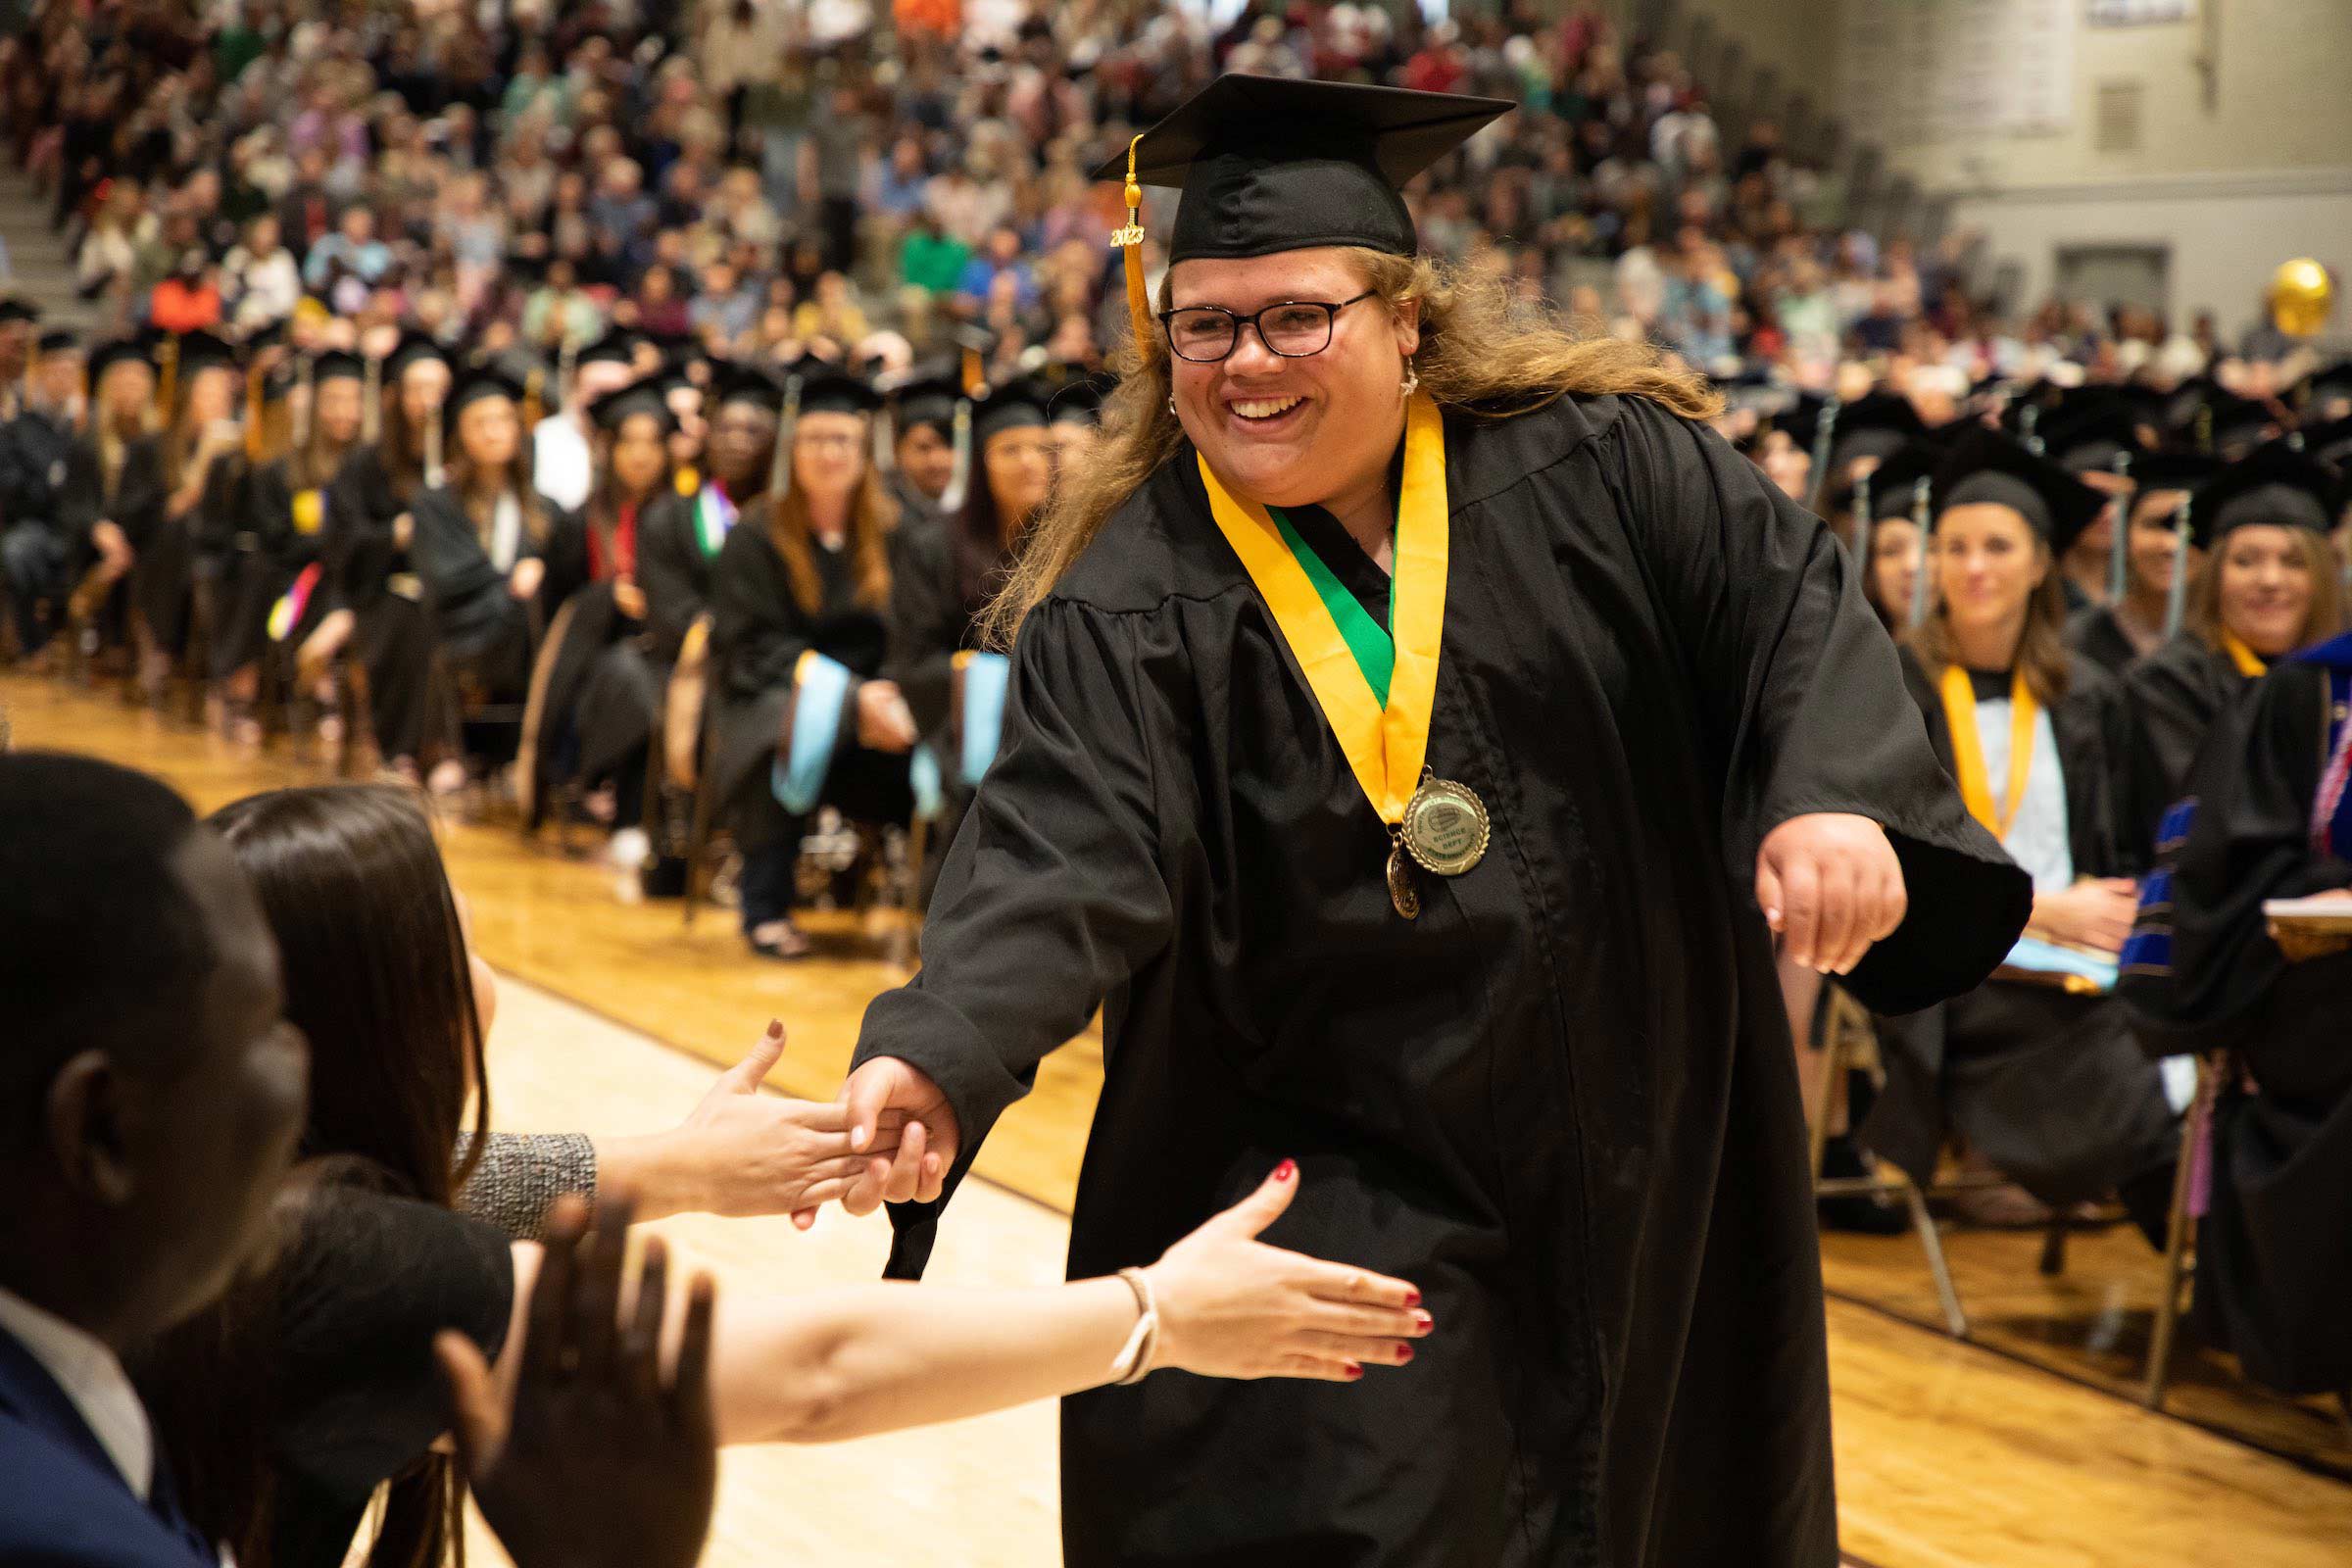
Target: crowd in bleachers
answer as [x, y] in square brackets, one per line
[442, 347]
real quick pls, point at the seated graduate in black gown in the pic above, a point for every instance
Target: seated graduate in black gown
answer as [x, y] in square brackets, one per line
[202, 440]
[111, 503]
[492, 554]
[375, 605]
[929, 454]
[942, 580]
[2045, 1082]
[2096, 436]
[801, 714]
[2269, 815]
[2271, 584]
[1883, 516]
[594, 717]
[35, 446]
[2154, 554]
[273, 594]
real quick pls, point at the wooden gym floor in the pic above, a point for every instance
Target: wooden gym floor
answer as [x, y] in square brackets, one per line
[2023, 1448]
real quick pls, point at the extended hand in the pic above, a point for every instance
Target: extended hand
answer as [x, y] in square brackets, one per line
[596, 1462]
[744, 1154]
[1231, 1307]
[888, 1097]
[2096, 912]
[1831, 885]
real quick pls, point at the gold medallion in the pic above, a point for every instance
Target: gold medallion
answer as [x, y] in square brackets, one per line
[1402, 892]
[1445, 827]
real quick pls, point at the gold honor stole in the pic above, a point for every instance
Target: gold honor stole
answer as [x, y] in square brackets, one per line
[1968, 750]
[1385, 743]
[2250, 662]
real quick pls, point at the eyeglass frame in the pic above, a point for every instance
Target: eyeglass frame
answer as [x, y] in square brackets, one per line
[1331, 324]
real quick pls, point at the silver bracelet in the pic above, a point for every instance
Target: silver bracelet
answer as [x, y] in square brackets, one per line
[1133, 1361]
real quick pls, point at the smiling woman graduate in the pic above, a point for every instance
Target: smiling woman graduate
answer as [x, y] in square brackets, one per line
[1411, 705]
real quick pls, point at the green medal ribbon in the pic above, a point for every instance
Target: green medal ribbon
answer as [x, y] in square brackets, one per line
[1372, 644]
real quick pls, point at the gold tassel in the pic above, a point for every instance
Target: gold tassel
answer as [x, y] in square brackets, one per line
[253, 413]
[1131, 240]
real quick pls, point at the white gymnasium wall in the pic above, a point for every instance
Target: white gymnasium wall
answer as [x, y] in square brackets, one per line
[2233, 176]
[2230, 179]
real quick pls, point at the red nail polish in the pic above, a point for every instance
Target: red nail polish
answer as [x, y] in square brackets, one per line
[1286, 1170]
[1404, 1354]
[1412, 1298]
[1354, 1371]
[1425, 1323]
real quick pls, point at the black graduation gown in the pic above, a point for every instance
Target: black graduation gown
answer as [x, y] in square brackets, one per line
[940, 582]
[602, 692]
[478, 626]
[2275, 1248]
[163, 583]
[757, 634]
[34, 449]
[369, 575]
[2096, 634]
[1562, 1101]
[134, 503]
[2052, 1086]
[2174, 694]
[674, 573]
[265, 550]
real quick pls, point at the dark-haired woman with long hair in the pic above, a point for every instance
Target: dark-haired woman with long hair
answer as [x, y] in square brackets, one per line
[2046, 1083]
[596, 713]
[802, 708]
[370, 524]
[490, 552]
[284, 1407]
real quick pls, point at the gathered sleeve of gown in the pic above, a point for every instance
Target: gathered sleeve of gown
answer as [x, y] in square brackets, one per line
[140, 492]
[665, 543]
[758, 631]
[1803, 699]
[1054, 892]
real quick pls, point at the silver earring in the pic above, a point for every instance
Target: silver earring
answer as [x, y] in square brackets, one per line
[1172, 406]
[1413, 379]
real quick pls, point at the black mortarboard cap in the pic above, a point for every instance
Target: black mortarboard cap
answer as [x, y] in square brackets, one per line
[930, 400]
[2239, 425]
[60, 341]
[1017, 405]
[116, 351]
[614, 348]
[1800, 419]
[1985, 467]
[2172, 470]
[200, 351]
[825, 390]
[1268, 164]
[1894, 482]
[2276, 486]
[2092, 433]
[474, 387]
[13, 310]
[336, 366]
[1080, 401]
[645, 394]
[1873, 426]
[749, 383]
[2328, 382]
[411, 348]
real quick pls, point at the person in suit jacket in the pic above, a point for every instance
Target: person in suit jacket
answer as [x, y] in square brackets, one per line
[151, 1095]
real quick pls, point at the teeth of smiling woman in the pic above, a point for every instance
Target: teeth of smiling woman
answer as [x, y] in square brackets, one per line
[1266, 409]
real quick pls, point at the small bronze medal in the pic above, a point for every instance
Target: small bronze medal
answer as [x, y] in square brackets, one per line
[1445, 827]
[1402, 892]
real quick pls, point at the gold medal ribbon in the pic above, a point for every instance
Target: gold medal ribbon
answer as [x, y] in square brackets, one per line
[2250, 662]
[1967, 750]
[1385, 746]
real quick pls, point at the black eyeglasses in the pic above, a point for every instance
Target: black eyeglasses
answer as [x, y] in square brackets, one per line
[1296, 329]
